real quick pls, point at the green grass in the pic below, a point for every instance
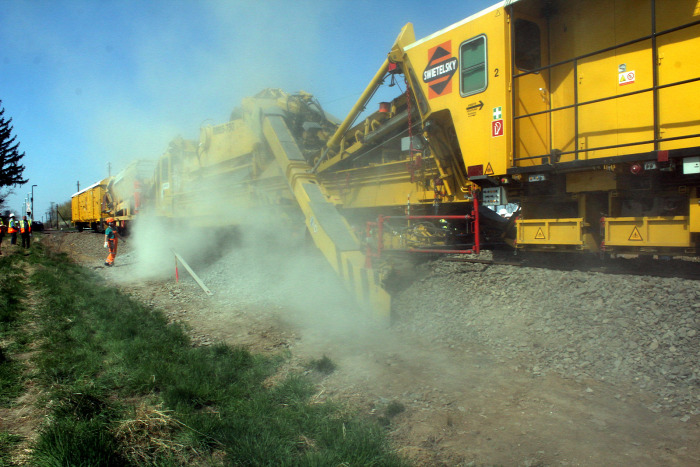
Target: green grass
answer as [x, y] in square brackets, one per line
[11, 379]
[127, 388]
[394, 408]
[323, 365]
[8, 442]
[66, 441]
[12, 292]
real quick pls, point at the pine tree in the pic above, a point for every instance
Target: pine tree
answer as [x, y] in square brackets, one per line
[10, 168]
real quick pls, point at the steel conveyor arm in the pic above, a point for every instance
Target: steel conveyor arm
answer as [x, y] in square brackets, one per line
[329, 229]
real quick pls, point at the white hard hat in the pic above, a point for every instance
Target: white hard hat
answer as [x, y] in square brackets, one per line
[502, 212]
[12, 215]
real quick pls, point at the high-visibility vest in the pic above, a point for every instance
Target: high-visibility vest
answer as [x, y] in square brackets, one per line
[25, 226]
[13, 226]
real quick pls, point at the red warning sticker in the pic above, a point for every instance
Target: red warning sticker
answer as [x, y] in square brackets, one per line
[497, 128]
[627, 77]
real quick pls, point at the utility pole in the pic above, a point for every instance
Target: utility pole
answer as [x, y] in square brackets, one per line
[78, 184]
[32, 200]
[109, 169]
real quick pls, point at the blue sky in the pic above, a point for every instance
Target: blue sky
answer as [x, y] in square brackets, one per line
[95, 83]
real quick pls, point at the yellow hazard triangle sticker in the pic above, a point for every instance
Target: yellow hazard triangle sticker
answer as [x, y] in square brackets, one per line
[489, 169]
[635, 236]
[540, 234]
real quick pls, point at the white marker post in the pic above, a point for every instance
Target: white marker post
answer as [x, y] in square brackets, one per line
[189, 269]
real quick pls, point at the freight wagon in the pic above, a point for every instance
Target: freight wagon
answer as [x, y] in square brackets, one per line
[87, 208]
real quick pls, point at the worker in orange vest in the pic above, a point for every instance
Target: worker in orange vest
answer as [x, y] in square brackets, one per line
[111, 240]
[25, 229]
[12, 229]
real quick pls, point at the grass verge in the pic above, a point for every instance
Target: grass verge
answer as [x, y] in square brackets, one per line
[124, 387]
[8, 442]
[12, 292]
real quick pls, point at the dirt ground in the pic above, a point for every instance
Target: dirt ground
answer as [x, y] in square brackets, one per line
[463, 405]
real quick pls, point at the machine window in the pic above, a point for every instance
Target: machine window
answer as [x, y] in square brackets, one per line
[472, 57]
[528, 54]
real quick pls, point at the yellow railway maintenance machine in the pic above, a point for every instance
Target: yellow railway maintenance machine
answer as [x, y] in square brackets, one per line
[586, 113]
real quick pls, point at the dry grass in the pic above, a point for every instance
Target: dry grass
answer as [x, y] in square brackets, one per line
[151, 434]
[22, 418]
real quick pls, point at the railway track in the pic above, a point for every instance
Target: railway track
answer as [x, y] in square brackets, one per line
[643, 266]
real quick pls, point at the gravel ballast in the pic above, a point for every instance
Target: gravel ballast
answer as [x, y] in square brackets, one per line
[636, 332]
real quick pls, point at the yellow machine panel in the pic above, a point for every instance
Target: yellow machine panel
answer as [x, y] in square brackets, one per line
[462, 75]
[223, 144]
[647, 232]
[170, 190]
[554, 232]
[616, 110]
[678, 103]
[695, 213]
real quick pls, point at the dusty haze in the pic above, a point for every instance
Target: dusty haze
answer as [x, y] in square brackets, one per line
[265, 263]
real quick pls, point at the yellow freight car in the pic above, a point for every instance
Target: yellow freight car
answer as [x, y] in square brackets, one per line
[87, 206]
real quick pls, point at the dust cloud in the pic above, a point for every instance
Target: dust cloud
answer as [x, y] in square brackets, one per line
[265, 263]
